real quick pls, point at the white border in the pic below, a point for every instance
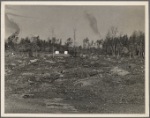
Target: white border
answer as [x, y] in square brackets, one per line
[77, 3]
[147, 59]
[89, 3]
[2, 59]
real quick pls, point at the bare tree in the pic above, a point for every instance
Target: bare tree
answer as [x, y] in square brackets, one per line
[113, 41]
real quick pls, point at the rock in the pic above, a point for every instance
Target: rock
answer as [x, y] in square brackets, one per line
[125, 50]
[83, 56]
[87, 81]
[19, 61]
[52, 77]
[28, 96]
[93, 73]
[46, 75]
[33, 61]
[61, 75]
[60, 80]
[13, 64]
[94, 57]
[131, 66]
[31, 81]
[27, 74]
[119, 71]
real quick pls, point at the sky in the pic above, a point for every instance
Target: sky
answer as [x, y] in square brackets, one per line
[88, 21]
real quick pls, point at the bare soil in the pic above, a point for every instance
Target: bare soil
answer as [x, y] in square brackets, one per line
[73, 85]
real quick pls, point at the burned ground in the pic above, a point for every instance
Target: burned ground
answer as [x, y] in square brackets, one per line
[73, 85]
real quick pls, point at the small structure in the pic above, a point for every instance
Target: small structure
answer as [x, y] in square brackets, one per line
[56, 52]
[62, 52]
[65, 52]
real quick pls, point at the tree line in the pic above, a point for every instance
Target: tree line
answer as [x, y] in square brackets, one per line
[113, 44]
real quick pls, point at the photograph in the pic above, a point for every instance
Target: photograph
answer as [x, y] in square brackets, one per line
[74, 59]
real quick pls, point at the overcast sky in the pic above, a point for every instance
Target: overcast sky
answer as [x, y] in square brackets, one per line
[89, 21]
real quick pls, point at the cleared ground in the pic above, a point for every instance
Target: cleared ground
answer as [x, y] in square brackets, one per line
[96, 84]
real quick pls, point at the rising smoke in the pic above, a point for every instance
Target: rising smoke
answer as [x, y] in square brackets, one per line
[10, 25]
[92, 22]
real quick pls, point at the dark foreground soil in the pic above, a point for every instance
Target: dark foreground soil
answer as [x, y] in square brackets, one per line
[73, 85]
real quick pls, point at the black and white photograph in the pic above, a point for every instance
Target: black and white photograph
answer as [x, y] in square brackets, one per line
[74, 59]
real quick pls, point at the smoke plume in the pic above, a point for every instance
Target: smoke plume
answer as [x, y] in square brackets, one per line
[92, 22]
[10, 26]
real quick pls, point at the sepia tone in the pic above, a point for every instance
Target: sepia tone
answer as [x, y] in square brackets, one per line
[74, 59]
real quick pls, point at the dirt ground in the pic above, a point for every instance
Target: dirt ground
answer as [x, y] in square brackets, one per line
[73, 85]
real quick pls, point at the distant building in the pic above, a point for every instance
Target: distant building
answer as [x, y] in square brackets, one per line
[56, 52]
[65, 52]
[61, 52]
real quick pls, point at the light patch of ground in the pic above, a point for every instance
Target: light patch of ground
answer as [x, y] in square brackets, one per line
[57, 103]
[16, 104]
[119, 71]
[88, 81]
